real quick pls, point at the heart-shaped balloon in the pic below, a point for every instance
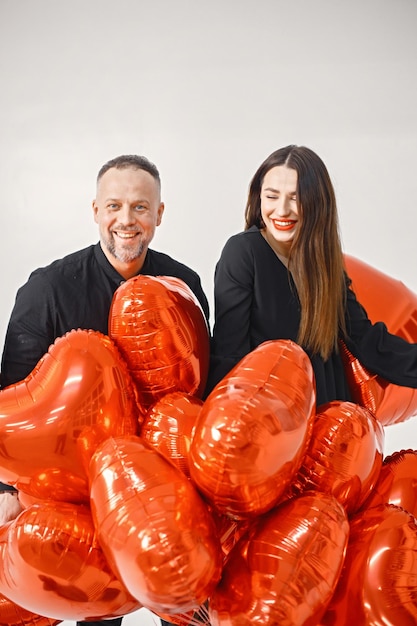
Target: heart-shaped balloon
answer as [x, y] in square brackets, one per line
[390, 403]
[285, 570]
[253, 430]
[52, 563]
[160, 329]
[230, 531]
[199, 617]
[397, 405]
[385, 299]
[378, 581]
[154, 527]
[13, 615]
[169, 425]
[51, 422]
[390, 301]
[397, 482]
[367, 389]
[344, 456]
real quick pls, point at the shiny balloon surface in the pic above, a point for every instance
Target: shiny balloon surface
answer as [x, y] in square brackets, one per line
[78, 394]
[253, 430]
[52, 563]
[153, 526]
[397, 482]
[161, 331]
[286, 570]
[387, 300]
[378, 581]
[169, 425]
[345, 454]
[13, 615]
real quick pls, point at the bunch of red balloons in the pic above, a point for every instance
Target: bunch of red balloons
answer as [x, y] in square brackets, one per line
[249, 507]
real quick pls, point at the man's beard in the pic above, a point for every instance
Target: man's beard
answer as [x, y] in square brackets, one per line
[125, 255]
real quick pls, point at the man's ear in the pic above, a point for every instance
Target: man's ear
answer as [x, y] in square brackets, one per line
[95, 210]
[161, 210]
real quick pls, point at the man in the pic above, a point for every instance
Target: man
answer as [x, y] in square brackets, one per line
[77, 291]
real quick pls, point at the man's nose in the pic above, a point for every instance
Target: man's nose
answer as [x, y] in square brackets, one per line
[126, 214]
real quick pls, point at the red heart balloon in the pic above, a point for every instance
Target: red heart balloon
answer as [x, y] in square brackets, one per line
[52, 563]
[344, 456]
[398, 404]
[169, 424]
[390, 301]
[153, 526]
[390, 403]
[384, 298]
[367, 389]
[200, 617]
[253, 430]
[161, 331]
[78, 394]
[230, 531]
[285, 570]
[378, 581]
[397, 482]
[13, 615]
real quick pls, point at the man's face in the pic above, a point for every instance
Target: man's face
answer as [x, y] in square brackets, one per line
[127, 210]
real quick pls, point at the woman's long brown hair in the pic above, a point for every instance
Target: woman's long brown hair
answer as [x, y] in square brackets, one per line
[316, 259]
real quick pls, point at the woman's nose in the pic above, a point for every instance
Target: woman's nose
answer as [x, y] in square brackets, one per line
[283, 206]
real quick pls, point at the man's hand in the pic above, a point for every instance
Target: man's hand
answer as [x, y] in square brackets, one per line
[10, 506]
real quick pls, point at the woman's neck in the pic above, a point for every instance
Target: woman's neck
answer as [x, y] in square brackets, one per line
[282, 251]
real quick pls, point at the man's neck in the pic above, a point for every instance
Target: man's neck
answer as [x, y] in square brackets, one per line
[126, 270]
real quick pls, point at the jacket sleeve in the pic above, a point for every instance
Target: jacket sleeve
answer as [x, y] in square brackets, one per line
[233, 293]
[30, 330]
[233, 296]
[197, 289]
[391, 357]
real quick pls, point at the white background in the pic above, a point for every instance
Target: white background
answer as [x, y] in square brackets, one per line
[206, 90]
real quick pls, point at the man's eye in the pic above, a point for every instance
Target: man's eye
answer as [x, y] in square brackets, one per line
[140, 207]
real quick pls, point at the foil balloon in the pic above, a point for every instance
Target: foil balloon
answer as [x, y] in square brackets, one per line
[13, 615]
[390, 403]
[378, 581]
[161, 331]
[52, 563]
[51, 422]
[153, 526]
[344, 456]
[253, 430]
[397, 482]
[200, 617]
[230, 531]
[367, 389]
[169, 424]
[285, 570]
[27, 500]
[384, 298]
[398, 404]
[390, 301]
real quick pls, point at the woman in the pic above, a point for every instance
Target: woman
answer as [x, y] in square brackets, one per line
[283, 277]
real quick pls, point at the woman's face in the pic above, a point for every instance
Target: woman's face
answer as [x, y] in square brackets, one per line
[279, 208]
